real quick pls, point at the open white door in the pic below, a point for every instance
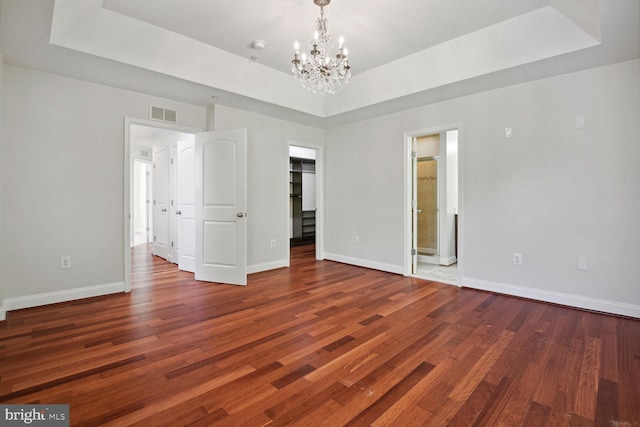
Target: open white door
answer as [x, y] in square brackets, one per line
[161, 203]
[186, 205]
[220, 208]
[414, 206]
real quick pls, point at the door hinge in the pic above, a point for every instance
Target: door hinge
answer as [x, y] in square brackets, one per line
[172, 203]
[171, 244]
[414, 252]
[414, 204]
[172, 161]
[414, 154]
[154, 238]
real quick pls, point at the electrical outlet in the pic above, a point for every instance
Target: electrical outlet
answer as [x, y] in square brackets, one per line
[517, 259]
[356, 240]
[273, 243]
[65, 261]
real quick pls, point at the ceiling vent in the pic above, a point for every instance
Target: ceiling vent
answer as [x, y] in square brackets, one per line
[163, 114]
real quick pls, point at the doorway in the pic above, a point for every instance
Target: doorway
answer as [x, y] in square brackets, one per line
[302, 196]
[305, 222]
[142, 137]
[431, 200]
[219, 158]
[153, 153]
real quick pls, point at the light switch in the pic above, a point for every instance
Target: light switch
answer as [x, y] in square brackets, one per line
[583, 263]
[508, 133]
[579, 122]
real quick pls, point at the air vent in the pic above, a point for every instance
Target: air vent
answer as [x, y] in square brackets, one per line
[163, 114]
[145, 154]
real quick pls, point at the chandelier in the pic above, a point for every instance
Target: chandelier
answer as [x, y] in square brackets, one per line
[320, 72]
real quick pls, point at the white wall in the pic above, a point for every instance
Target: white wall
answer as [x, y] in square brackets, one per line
[451, 143]
[267, 181]
[62, 151]
[552, 192]
[2, 185]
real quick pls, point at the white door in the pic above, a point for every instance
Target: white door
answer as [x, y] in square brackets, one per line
[173, 207]
[414, 206]
[161, 203]
[141, 214]
[186, 204]
[221, 205]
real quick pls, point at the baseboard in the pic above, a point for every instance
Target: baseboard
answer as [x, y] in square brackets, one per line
[3, 314]
[265, 266]
[440, 260]
[429, 259]
[62, 296]
[448, 260]
[390, 268]
[578, 301]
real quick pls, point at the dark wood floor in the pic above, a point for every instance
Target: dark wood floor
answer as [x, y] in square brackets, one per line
[320, 343]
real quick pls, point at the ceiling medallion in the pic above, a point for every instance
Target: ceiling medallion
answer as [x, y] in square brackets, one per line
[319, 71]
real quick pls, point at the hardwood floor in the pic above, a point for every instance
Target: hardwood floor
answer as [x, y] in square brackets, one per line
[320, 343]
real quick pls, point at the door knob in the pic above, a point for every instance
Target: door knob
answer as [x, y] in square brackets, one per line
[164, 210]
[240, 214]
[178, 213]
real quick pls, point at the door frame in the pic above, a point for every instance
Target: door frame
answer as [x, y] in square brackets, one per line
[128, 166]
[319, 195]
[407, 193]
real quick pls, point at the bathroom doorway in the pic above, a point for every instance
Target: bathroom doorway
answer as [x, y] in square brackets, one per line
[432, 179]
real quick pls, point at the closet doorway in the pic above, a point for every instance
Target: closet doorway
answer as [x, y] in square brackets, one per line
[432, 205]
[305, 196]
[302, 196]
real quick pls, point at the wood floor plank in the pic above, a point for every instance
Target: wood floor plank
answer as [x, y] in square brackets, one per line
[319, 343]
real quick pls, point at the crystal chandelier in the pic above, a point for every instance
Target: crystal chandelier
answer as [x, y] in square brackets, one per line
[320, 72]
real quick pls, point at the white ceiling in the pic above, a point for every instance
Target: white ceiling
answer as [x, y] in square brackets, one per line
[376, 31]
[404, 53]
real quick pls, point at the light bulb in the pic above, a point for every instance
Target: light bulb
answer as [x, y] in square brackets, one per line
[316, 35]
[296, 46]
[340, 42]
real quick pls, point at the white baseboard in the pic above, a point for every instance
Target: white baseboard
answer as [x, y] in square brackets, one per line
[429, 259]
[440, 260]
[578, 301]
[390, 268]
[3, 314]
[265, 266]
[448, 260]
[62, 296]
